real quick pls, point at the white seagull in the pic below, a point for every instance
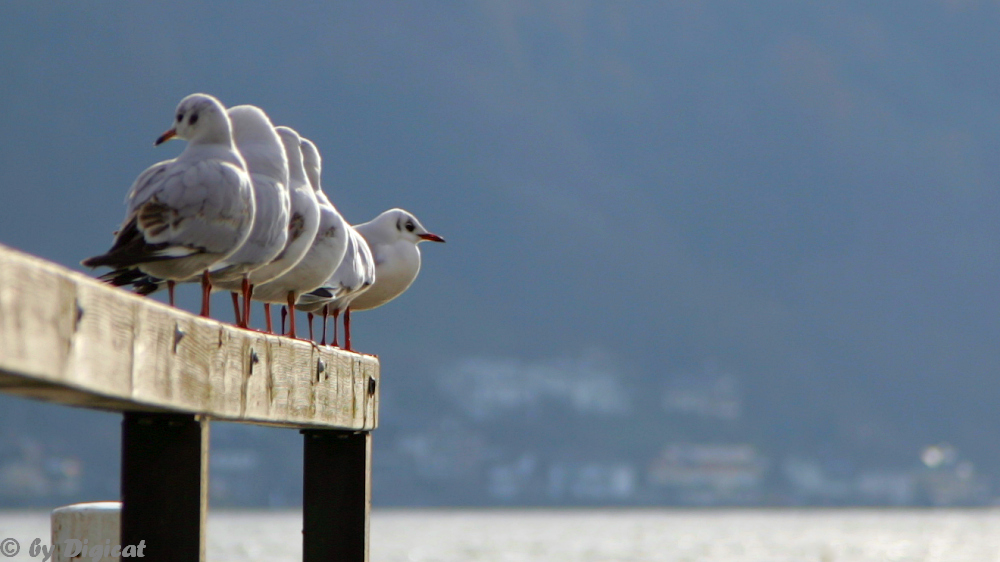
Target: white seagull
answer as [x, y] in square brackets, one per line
[353, 276]
[393, 237]
[184, 215]
[303, 223]
[261, 148]
[328, 245]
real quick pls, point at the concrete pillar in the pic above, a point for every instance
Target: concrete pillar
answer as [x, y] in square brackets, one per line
[90, 525]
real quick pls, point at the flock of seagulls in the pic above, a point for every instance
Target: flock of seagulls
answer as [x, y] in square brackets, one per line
[241, 209]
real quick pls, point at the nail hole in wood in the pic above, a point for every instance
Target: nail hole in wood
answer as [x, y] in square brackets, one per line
[178, 336]
[79, 315]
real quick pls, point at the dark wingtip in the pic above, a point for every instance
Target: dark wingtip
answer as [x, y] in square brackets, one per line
[141, 282]
[120, 277]
[322, 293]
[145, 288]
[96, 261]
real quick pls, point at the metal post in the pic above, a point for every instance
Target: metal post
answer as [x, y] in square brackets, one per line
[164, 485]
[336, 502]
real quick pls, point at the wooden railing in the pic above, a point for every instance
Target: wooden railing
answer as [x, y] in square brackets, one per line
[69, 339]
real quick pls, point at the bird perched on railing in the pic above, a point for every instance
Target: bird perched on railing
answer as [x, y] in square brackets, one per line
[392, 237]
[353, 276]
[327, 246]
[243, 208]
[261, 147]
[302, 226]
[185, 214]
[267, 165]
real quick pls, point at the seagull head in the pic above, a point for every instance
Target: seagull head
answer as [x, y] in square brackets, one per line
[407, 227]
[312, 162]
[259, 143]
[291, 140]
[199, 118]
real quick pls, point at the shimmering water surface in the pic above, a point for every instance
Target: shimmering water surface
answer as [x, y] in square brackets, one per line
[608, 535]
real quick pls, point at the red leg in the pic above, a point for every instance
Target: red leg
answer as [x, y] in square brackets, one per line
[326, 313]
[206, 293]
[236, 310]
[267, 313]
[170, 291]
[247, 293]
[336, 315]
[347, 328]
[309, 315]
[291, 313]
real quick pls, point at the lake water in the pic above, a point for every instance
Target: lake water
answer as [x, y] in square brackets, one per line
[608, 535]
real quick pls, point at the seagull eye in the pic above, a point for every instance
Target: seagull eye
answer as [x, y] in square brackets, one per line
[409, 227]
[180, 117]
[193, 119]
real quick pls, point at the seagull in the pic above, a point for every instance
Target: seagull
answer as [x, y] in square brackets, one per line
[267, 163]
[329, 244]
[261, 149]
[184, 215]
[302, 225]
[353, 276]
[393, 237]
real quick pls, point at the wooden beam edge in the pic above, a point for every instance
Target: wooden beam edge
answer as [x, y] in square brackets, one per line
[212, 373]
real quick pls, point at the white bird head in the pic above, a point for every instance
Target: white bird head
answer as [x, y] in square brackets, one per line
[258, 142]
[312, 162]
[200, 119]
[402, 225]
[291, 141]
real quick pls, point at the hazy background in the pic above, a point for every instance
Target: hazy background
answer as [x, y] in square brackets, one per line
[698, 252]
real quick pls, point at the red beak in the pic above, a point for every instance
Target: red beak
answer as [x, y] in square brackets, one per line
[431, 237]
[165, 137]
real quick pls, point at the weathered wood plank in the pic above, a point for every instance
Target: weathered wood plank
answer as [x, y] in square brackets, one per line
[67, 338]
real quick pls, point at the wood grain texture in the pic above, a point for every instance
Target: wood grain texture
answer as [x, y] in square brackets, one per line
[67, 338]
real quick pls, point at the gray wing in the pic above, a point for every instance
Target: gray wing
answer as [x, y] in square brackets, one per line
[179, 209]
[206, 205]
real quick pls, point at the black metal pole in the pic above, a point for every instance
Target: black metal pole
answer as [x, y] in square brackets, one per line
[336, 502]
[164, 485]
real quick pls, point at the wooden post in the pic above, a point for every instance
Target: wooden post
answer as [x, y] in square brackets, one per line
[165, 485]
[336, 502]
